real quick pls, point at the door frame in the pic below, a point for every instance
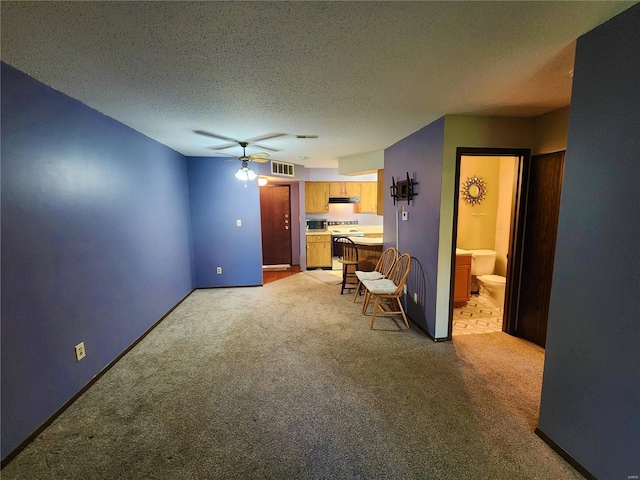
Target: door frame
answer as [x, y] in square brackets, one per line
[288, 187]
[516, 235]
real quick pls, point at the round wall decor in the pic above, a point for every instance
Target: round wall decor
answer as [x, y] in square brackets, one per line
[474, 190]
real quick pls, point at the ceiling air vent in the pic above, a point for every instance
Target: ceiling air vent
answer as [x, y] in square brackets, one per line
[306, 136]
[281, 168]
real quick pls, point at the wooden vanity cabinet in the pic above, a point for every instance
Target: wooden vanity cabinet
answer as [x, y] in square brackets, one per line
[462, 283]
[316, 197]
[319, 251]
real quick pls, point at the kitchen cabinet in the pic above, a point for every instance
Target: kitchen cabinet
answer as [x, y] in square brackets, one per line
[462, 283]
[316, 197]
[344, 189]
[319, 251]
[368, 198]
[380, 183]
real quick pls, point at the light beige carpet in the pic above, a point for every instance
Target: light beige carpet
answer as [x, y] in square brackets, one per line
[325, 276]
[287, 381]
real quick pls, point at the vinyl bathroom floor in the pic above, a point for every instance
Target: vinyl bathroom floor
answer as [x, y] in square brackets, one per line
[479, 315]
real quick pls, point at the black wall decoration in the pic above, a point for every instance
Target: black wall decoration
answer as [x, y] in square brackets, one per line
[403, 190]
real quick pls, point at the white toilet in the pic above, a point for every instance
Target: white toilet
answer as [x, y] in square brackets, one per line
[482, 265]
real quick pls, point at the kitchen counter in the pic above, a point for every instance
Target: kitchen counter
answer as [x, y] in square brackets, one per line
[369, 251]
[371, 228]
[367, 229]
[366, 241]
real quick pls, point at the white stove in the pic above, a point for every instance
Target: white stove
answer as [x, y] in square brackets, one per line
[345, 231]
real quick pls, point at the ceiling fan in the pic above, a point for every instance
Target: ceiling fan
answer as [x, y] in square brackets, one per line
[256, 157]
[244, 173]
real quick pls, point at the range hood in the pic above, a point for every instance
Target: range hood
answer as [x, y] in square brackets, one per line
[344, 199]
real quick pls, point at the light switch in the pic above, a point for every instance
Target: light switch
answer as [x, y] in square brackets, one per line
[239, 223]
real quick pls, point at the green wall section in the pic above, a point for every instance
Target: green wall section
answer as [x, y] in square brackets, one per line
[468, 132]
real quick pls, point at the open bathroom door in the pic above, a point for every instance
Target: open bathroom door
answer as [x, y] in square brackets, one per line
[536, 250]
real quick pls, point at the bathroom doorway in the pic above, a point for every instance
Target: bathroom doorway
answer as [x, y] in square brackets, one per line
[535, 204]
[484, 215]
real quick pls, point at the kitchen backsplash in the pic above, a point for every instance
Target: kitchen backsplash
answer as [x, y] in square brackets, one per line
[344, 212]
[333, 223]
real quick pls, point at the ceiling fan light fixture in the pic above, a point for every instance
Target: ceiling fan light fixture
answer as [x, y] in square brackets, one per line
[244, 173]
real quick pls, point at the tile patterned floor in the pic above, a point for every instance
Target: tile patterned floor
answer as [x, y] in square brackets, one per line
[479, 315]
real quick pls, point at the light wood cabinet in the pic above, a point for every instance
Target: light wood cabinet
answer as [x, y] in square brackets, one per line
[344, 189]
[374, 235]
[462, 283]
[368, 198]
[316, 197]
[380, 183]
[319, 251]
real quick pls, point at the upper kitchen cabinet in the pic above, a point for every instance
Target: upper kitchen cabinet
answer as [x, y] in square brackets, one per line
[380, 192]
[316, 197]
[368, 198]
[344, 189]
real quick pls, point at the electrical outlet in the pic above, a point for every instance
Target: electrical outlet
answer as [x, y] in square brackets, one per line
[404, 288]
[80, 351]
[219, 270]
[415, 298]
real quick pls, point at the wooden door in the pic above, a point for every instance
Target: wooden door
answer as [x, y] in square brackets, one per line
[275, 214]
[538, 246]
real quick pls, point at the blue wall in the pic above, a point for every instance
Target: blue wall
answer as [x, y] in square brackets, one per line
[218, 200]
[95, 245]
[419, 154]
[590, 402]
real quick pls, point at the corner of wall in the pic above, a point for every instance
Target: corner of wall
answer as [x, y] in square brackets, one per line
[550, 131]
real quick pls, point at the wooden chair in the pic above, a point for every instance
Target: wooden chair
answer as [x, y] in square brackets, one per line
[382, 269]
[387, 291]
[348, 257]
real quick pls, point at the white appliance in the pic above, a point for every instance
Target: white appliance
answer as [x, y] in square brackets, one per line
[347, 228]
[346, 231]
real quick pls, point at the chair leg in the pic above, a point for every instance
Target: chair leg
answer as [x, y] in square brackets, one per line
[344, 278]
[365, 302]
[355, 297]
[402, 311]
[373, 316]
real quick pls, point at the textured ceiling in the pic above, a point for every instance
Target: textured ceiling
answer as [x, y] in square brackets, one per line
[360, 75]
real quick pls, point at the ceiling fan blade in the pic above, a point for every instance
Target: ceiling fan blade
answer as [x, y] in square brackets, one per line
[226, 145]
[259, 155]
[266, 137]
[214, 135]
[255, 145]
[222, 153]
[258, 160]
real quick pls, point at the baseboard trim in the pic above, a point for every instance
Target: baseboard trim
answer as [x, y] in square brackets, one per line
[426, 332]
[11, 455]
[569, 459]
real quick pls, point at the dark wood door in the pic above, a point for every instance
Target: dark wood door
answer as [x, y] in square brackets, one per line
[275, 214]
[539, 245]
